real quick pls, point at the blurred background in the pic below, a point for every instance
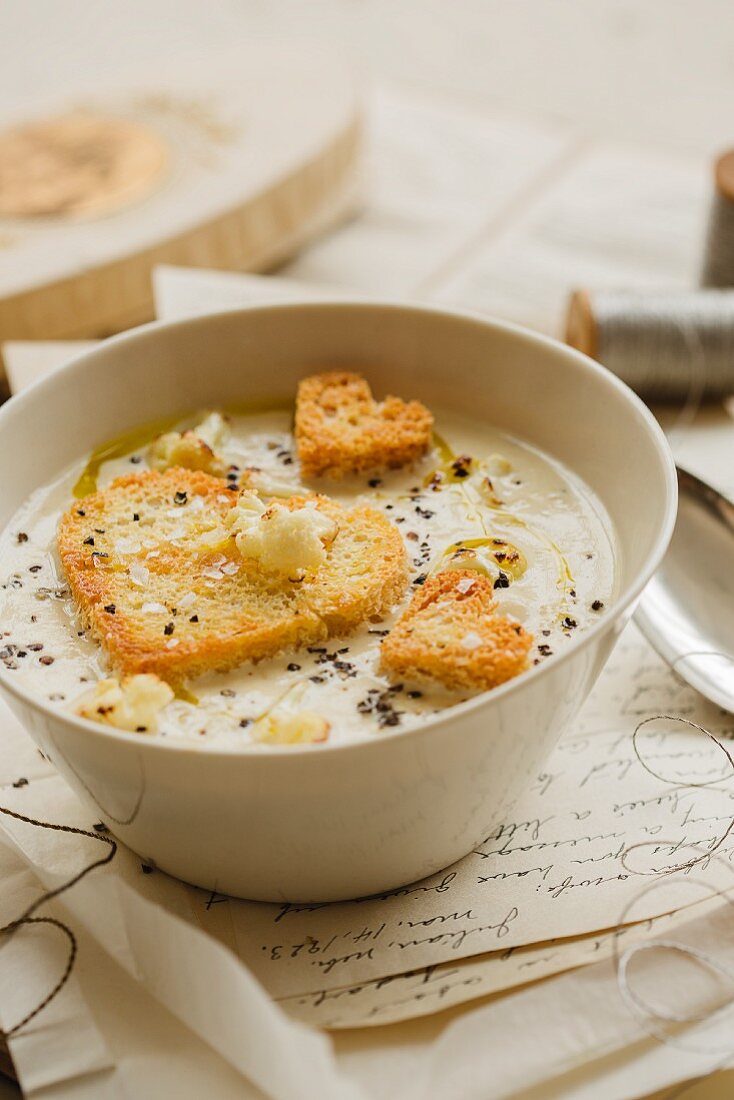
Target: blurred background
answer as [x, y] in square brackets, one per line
[491, 154]
[658, 71]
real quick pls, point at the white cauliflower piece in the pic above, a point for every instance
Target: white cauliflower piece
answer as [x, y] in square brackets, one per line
[194, 449]
[289, 542]
[131, 704]
[303, 727]
[213, 430]
[248, 509]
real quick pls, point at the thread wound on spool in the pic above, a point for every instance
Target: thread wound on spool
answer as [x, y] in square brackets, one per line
[581, 330]
[668, 346]
[718, 259]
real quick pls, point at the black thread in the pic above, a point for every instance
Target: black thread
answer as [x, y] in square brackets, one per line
[27, 916]
[649, 1018]
[683, 786]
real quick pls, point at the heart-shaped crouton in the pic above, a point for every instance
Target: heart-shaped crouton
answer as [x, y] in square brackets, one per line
[450, 632]
[158, 576]
[341, 429]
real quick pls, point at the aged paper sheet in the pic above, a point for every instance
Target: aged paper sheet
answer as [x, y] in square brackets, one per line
[445, 985]
[579, 850]
[557, 869]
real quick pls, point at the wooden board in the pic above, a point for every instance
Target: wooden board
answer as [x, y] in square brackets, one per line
[228, 172]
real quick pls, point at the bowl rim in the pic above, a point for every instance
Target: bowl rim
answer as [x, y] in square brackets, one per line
[622, 601]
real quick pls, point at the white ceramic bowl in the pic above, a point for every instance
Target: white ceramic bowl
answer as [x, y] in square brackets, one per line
[330, 822]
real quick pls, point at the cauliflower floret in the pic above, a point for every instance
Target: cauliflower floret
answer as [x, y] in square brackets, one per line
[213, 430]
[248, 509]
[194, 449]
[283, 728]
[131, 704]
[288, 542]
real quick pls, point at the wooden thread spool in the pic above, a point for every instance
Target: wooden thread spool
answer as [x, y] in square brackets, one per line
[667, 345]
[718, 260]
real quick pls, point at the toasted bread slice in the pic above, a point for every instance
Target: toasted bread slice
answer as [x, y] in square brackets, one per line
[160, 600]
[367, 574]
[341, 429]
[450, 632]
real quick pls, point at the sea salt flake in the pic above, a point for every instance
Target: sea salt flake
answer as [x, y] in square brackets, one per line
[139, 575]
[171, 643]
[187, 600]
[466, 584]
[231, 568]
[471, 641]
[152, 608]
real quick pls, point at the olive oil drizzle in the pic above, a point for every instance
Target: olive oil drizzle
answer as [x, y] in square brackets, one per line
[447, 459]
[118, 447]
[506, 565]
[140, 437]
[186, 696]
[446, 456]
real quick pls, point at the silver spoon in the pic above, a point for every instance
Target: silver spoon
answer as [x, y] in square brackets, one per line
[687, 610]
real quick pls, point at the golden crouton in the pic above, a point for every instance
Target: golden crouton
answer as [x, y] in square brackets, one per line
[161, 583]
[367, 573]
[450, 632]
[341, 429]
